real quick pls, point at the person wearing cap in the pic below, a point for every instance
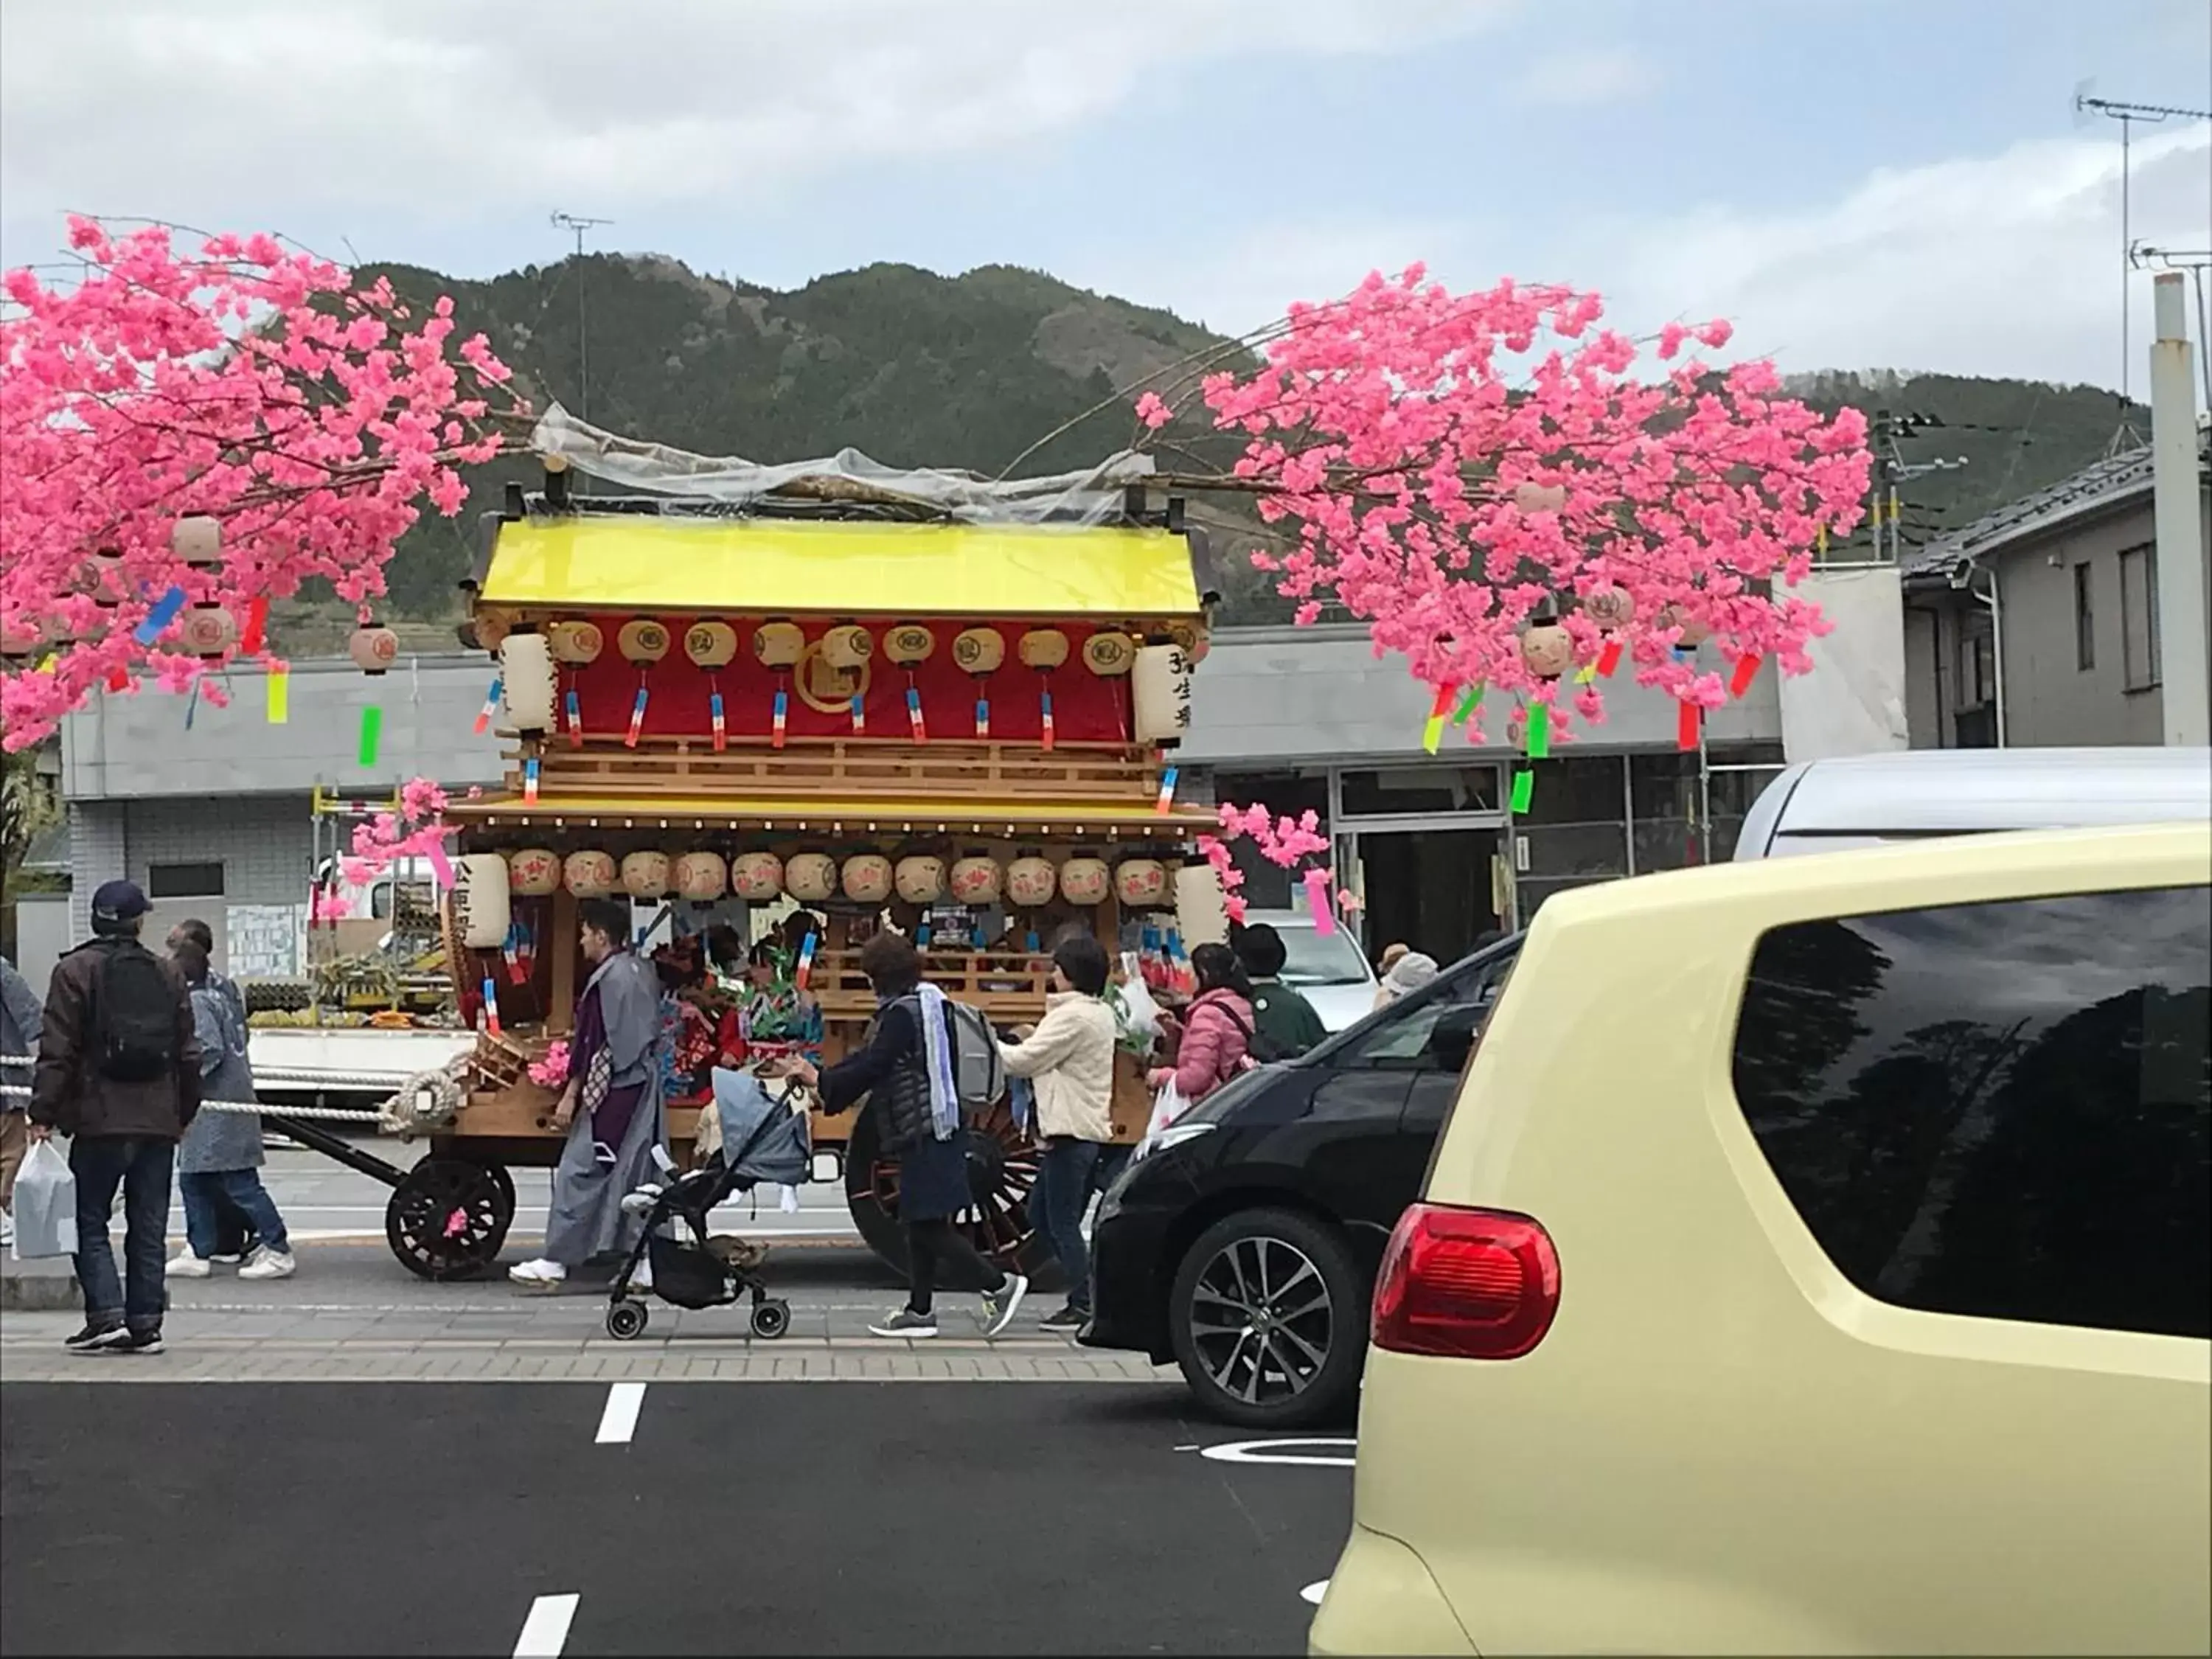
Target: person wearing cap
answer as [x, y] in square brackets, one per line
[119, 1074]
[1407, 974]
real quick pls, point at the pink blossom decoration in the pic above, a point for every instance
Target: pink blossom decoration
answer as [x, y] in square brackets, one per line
[550, 1070]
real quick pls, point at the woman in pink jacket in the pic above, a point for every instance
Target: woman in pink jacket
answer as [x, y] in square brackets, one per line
[1217, 1027]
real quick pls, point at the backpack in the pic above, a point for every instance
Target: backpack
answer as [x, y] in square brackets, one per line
[979, 1076]
[1260, 1047]
[134, 1016]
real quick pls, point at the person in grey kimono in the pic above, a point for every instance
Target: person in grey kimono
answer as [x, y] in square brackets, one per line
[22, 1013]
[235, 1240]
[219, 1158]
[611, 1107]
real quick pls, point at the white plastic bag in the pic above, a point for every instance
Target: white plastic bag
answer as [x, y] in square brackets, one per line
[1168, 1105]
[1136, 1016]
[45, 1205]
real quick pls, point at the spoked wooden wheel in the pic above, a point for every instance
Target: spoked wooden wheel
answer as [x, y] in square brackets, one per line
[447, 1219]
[1002, 1168]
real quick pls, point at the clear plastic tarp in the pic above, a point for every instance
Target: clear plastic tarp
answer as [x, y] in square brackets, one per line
[629, 463]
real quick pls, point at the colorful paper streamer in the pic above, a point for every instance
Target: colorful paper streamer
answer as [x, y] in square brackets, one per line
[491, 1006]
[1609, 658]
[372, 732]
[636, 714]
[859, 714]
[1165, 803]
[575, 712]
[163, 613]
[1432, 734]
[440, 866]
[1747, 670]
[490, 708]
[1317, 904]
[529, 780]
[1689, 721]
[1468, 703]
[1540, 731]
[983, 717]
[256, 627]
[913, 715]
[781, 714]
[1046, 696]
[1524, 790]
[805, 968]
[715, 716]
[118, 678]
[280, 695]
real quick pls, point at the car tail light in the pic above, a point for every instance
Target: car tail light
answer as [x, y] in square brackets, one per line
[1465, 1285]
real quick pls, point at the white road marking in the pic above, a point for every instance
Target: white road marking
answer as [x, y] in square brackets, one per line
[619, 1420]
[1315, 1591]
[1284, 1451]
[546, 1630]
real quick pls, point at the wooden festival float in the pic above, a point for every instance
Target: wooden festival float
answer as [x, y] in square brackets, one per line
[960, 728]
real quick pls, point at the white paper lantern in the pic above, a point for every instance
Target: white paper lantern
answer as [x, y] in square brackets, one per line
[527, 689]
[534, 872]
[197, 541]
[867, 878]
[1029, 883]
[700, 876]
[1084, 881]
[1548, 649]
[645, 875]
[1159, 687]
[921, 879]
[589, 874]
[480, 907]
[810, 877]
[977, 880]
[1140, 883]
[757, 878]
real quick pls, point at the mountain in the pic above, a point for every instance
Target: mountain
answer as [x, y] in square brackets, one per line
[915, 368]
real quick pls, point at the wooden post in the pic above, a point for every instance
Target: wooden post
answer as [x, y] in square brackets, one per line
[560, 1018]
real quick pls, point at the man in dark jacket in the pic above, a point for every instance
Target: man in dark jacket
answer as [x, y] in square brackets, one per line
[1281, 1016]
[118, 1072]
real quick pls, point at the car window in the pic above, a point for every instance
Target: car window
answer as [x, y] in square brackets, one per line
[2001, 1111]
[1406, 1039]
[1311, 959]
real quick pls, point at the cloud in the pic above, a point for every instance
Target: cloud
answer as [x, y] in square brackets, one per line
[1579, 81]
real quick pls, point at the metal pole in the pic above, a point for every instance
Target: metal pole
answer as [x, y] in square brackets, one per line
[2179, 516]
[2127, 362]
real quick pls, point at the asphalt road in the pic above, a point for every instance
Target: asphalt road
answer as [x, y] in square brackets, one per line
[901, 1517]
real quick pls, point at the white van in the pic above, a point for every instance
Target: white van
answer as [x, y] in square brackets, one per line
[1862, 800]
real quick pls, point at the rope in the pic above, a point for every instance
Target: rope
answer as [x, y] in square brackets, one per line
[326, 1114]
[279, 1074]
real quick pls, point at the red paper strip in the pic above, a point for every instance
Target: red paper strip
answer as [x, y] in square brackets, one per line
[1747, 670]
[1609, 658]
[256, 624]
[1689, 719]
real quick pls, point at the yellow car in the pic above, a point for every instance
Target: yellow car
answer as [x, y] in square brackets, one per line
[1816, 1261]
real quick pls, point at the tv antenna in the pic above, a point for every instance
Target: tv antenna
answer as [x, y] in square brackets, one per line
[579, 225]
[2127, 114]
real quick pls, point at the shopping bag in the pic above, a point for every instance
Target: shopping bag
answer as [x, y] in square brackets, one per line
[1136, 1016]
[1168, 1105]
[45, 1205]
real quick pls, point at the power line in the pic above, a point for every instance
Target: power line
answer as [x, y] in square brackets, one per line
[579, 225]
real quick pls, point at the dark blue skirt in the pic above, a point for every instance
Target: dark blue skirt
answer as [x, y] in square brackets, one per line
[934, 1181]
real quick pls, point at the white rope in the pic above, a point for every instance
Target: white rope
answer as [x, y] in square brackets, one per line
[328, 1114]
[285, 1075]
[18, 1059]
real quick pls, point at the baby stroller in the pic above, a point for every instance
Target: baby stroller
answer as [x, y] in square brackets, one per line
[762, 1139]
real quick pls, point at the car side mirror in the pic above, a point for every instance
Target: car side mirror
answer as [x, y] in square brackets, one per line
[1451, 1039]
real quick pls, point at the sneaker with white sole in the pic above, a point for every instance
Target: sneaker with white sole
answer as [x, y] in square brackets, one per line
[538, 1275]
[1000, 1305]
[93, 1337]
[269, 1264]
[186, 1265]
[905, 1323]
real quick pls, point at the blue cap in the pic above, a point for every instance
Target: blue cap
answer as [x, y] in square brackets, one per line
[118, 902]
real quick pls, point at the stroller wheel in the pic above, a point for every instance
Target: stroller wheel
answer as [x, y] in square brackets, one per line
[625, 1320]
[771, 1319]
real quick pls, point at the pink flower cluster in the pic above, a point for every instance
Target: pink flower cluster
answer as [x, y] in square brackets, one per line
[1456, 468]
[417, 829]
[550, 1070]
[247, 382]
[1283, 841]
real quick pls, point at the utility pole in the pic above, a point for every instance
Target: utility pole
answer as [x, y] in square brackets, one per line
[2127, 115]
[579, 225]
[2177, 484]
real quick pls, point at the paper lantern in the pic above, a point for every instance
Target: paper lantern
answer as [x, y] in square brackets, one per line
[921, 879]
[1043, 648]
[372, 647]
[757, 878]
[589, 874]
[209, 631]
[1084, 881]
[1540, 498]
[1029, 883]
[645, 875]
[867, 878]
[17, 642]
[1609, 606]
[1160, 687]
[1201, 908]
[711, 644]
[1694, 632]
[533, 872]
[576, 643]
[1139, 882]
[848, 647]
[107, 588]
[1109, 654]
[810, 877]
[1548, 649]
[700, 876]
[979, 650]
[527, 686]
[779, 644]
[197, 541]
[977, 880]
[642, 641]
[480, 907]
[909, 643]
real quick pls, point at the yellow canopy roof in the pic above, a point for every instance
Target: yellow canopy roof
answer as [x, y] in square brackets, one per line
[805, 814]
[756, 566]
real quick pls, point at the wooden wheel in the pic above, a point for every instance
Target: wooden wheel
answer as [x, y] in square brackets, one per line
[1002, 1168]
[447, 1219]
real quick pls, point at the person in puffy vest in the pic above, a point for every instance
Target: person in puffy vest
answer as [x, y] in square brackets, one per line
[119, 1074]
[906, 1077]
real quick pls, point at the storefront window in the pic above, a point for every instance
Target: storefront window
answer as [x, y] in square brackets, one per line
[1395, 791]
[1663, 790]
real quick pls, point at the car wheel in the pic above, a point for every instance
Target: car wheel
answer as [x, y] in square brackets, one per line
[1268, 1320]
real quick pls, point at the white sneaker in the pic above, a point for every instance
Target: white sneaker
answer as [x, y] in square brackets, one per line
[186, 1265]
[269, 1264]
[540, 1275]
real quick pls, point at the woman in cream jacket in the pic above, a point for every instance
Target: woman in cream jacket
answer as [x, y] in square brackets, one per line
[1069, 1058]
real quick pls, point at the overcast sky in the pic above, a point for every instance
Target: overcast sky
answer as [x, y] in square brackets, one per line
[1857, 183]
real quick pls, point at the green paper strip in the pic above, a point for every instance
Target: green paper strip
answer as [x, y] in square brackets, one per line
[1524, 790]
[1539, 731]
[1468, 704]
[372, 728]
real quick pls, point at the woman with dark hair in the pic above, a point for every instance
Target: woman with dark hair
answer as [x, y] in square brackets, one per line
[1217, 1027]
[905, 1073]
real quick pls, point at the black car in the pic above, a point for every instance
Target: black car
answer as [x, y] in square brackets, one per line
[1245, 1245]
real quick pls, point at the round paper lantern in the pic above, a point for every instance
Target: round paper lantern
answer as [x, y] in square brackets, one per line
[1084, 881]
[921, 879]
[700, 876]
[209, 631]
[1029, 883]
[576, 643]
[779, 644]
[1694, 632]
[1139, 882]
[977, 880]
[711, 644]
[108, 589]
[374, 647]
[1609, 606]
[979, 650]
[866, 877]
[643, 640]
[527, 683]
[533, 872]
[480, 908]
[1043, 648]
[909, 643]
[1540, 498]
[197, 541]
[490, 627]
[1548, 649]
[589, 874]
[757, 878]
[18, 641]
[1109, 653]
[810, 877]
[645, 875]
[848, 647]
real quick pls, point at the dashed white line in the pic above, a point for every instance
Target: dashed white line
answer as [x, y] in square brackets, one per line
[546, 1630]
[619, 1420]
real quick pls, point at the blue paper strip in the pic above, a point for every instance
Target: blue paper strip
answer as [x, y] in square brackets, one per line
[158, 619]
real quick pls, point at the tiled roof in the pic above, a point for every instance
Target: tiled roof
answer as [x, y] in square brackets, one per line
[2116, 476]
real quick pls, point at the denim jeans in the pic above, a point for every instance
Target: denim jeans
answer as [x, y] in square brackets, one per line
[141, 1165]
[208, 1196]
[1057, 1202]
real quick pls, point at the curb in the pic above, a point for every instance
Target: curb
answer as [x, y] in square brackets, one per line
[39, 1291]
